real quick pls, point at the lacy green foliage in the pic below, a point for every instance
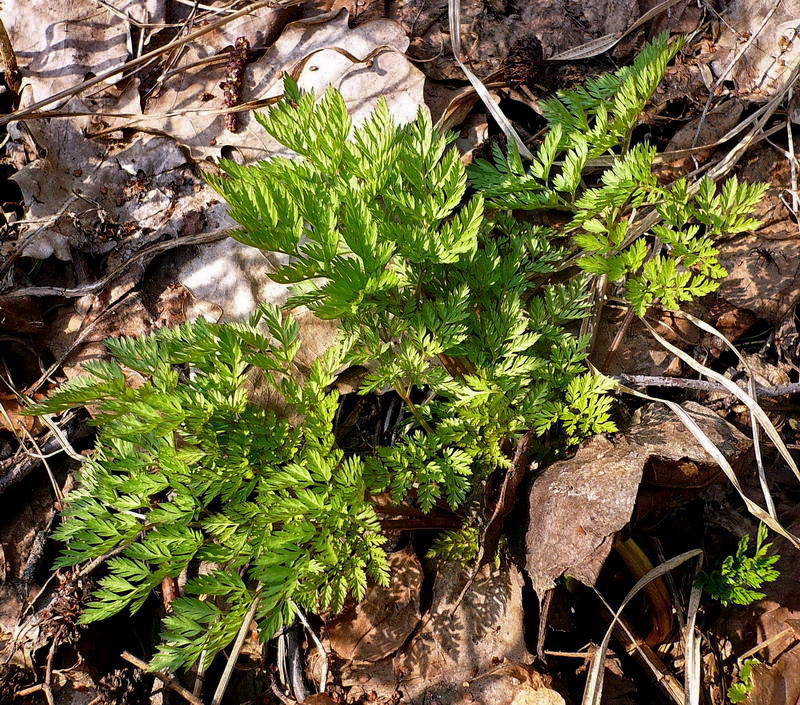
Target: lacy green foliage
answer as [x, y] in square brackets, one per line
[441, 295]
[740, 689]
[461, 546]
[738, 579]
[597, 121]
[446, 299]
[187, 469]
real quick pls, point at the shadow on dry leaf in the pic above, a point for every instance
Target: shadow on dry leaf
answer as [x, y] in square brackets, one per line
[768, 59]
[382, 622]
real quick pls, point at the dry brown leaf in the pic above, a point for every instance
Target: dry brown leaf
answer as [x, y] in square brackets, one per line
[12, 420]
[729, 320]
[323, 39]
[130, 318]
[768, 59]
[100, 199]
[319, 699]
[577, 505]
[681, 18]
[490, 30]
[531, 696]
[763, 267]
[451, 649]
[57, 42]
[610, 16]
[675, 459]
[380, 624]
[513, 684]
[190, 88]
[682, 82]
[637, 354]
[456, 656]
[763, 275]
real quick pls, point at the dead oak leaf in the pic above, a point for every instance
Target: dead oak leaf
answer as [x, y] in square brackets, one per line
[380, 624]
[763, 274]
[762, 35]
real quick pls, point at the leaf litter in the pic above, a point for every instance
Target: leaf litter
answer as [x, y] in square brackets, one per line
[123, 173]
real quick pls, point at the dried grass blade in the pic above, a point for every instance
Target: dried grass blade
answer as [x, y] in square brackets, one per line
[721, 460]
[594, 683]
[734, 389]
[751, 389]
[692, 675]
[454, 12]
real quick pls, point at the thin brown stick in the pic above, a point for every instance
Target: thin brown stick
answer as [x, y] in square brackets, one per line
[789, 631]
[544, 614]
[618, 338]
[701, 385]
[48, 676]
[171, 683]
[29, 691]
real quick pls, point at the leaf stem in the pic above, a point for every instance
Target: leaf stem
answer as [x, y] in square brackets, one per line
[404, 395]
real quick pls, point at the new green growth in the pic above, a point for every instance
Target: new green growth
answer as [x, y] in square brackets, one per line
[442, 285]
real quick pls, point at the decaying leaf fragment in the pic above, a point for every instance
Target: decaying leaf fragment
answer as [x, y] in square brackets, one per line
[57, 42]
[364, 63]
[452, 648]
[760, 43]
[380, 624]
[577, 505]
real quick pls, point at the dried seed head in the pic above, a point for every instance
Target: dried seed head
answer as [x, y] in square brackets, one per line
[234, 76]
[123, 686]
[61, 617]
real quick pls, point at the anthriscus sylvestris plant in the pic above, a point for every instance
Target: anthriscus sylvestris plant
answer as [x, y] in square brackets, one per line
[441, 286]
[187, 469]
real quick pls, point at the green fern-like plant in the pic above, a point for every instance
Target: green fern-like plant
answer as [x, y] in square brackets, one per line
[673, 262]
[461, 546]
[187, 469]
[442, 291]
[738, 579]
[433, 291]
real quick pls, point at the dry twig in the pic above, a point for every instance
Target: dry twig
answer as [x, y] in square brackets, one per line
[171, 683]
